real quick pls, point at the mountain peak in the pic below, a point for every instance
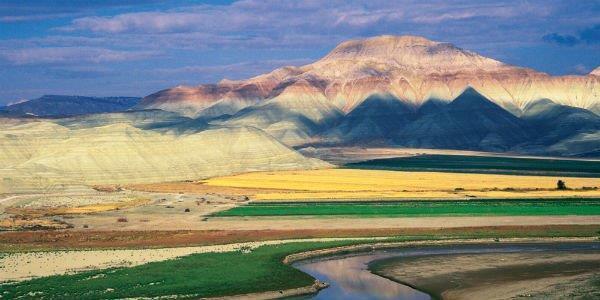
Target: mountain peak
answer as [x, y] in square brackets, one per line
[471, 92]
[388, 40]
[410, 52]
[595, 72]
[378, 46]
[471, 98]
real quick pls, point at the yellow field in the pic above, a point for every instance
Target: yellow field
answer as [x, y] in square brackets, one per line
[376, 184]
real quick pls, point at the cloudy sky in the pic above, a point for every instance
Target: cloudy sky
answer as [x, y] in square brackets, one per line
[135, 47]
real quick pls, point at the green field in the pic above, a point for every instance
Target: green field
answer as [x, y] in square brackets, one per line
[483, 164]
[193, 276]
[223, 274]
[519, 207]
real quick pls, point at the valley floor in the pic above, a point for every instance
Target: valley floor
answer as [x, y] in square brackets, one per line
[117, 234]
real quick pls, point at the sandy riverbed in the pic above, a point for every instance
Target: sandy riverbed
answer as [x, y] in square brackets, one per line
[547, 275]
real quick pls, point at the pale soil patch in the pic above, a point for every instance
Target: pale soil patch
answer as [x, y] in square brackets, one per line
[55, 210]
[38, 211]
[22, 266]
[71, 200]
[377, 184]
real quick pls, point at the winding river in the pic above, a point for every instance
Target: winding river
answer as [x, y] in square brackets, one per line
[349, 278]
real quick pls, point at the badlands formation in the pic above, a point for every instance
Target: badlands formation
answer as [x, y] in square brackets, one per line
[42, 155]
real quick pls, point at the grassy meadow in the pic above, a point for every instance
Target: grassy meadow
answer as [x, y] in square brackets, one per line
[523, 207]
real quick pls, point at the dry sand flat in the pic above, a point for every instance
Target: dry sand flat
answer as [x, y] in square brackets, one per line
[496, 275]
[374, 184]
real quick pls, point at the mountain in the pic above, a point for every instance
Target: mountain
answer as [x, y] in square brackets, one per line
[409, 68]
[471, 121]
[59, 105]
[596, 72]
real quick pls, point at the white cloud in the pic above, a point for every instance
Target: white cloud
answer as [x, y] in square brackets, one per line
[155, 22]
[308, 16]
[291, 24]
[66, 55]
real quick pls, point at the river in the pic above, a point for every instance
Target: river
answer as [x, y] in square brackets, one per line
[349, 278]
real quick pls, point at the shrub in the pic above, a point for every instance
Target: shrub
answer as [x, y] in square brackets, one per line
[561, 185]
[122, 220]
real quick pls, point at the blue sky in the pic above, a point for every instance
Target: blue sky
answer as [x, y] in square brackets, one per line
[135, 47]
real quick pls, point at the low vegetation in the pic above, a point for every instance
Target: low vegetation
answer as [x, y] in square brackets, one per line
[484, 164]
[521, 207]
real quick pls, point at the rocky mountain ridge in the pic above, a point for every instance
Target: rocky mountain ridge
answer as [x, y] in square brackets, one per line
[409, 68]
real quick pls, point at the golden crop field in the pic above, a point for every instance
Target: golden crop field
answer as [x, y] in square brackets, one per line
[375, 184]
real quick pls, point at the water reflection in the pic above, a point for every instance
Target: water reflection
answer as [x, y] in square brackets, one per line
[349, 277]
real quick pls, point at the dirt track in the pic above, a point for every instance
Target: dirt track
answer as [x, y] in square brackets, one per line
[92, 239]
[192, 222]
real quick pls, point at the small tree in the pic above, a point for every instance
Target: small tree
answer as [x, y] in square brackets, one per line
[560, 185]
